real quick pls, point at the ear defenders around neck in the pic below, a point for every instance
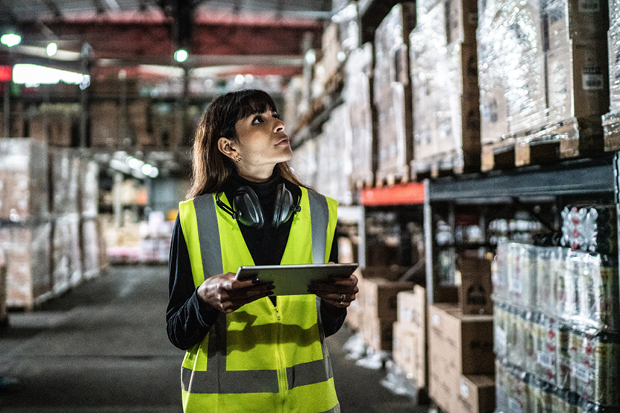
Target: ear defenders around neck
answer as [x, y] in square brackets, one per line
[246, 207]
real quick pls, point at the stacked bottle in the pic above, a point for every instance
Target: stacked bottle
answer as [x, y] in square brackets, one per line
[556, 329]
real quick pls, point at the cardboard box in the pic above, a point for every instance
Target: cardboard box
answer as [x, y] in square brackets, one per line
[575, 19]
[462, 21]
[412, 308]
[380, 298]
[409, 352]
[378, 333]
[578, 80]
[476, 394]
[476, 286]
[462, 342]
[443, 384]
[27, 252]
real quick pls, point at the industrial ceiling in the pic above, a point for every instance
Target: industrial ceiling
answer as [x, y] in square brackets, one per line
[222, 37]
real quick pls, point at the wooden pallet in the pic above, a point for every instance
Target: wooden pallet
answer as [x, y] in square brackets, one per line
[445, 164]
[569, 139]
[611, 131]
[390, 180]
[498, 155]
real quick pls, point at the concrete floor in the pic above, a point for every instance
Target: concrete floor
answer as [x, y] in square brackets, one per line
[102, 348]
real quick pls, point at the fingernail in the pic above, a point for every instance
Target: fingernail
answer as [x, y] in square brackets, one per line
[255, 281]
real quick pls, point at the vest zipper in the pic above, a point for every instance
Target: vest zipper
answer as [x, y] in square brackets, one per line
[282, 379]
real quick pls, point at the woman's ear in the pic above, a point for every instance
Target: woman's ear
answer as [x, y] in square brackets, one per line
[226, 146]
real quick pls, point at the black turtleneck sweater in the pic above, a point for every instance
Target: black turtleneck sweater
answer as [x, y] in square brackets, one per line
[189, 321]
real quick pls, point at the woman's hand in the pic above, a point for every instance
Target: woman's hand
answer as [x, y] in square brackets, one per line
[226, 294]
[339, 292]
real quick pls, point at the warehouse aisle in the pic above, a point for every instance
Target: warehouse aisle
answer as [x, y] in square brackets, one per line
[102, 348]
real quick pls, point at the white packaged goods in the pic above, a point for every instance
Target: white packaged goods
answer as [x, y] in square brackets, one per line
[392, 93]
[24, 187]
[358, 71]
[27, 252]
[304, 162]
[445, 85]
[556, 328]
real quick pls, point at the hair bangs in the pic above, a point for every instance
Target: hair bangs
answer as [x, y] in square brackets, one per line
[253, 102]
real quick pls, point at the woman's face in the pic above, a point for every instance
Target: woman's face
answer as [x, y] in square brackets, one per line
[261, 143]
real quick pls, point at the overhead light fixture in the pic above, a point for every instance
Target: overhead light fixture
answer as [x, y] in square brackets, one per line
[181, 55]
[10, 39]
[51, 49]
[34, 75]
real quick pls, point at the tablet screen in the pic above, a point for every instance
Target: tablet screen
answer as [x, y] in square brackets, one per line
[295, 279]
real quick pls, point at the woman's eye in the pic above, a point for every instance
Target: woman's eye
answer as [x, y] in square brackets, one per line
[276, 115]
[257, 119]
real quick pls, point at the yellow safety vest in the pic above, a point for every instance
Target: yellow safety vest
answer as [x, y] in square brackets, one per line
[261, 357]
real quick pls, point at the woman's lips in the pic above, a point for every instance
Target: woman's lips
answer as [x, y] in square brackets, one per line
[283, 141]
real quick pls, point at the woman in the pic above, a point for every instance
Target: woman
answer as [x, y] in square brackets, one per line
[248, 351]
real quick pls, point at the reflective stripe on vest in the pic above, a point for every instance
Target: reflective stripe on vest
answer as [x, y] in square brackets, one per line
[217, 379]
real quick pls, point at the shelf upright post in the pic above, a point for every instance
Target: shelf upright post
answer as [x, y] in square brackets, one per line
[86, 55]
[428, 245]
[617, 197]
[6, 110]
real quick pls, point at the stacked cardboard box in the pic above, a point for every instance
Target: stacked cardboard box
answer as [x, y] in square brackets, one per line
[409, 347]
[460, 346]
[379, 303]
[24, 215]
[138, 117]
[511, 68]
[611, 120]
[104, 124]
[357, 96]
[392, 94]
[334, 158]
[89, 208]
[445, 82]
[304, 162]
[4, 315]
[577, 80]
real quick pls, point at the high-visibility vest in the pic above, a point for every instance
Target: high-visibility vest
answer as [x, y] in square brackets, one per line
[261, 357]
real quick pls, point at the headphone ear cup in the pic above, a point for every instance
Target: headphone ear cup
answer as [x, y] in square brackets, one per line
[284, 206]
[248, 209]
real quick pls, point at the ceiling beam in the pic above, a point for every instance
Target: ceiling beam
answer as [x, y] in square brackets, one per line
[53, 7]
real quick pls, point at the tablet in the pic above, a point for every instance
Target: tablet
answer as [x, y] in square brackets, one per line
[294, 279]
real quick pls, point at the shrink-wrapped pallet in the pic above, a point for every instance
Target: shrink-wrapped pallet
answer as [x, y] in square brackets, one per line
[65, 172]
[357, 96]
[304, 163]
[66, 253]
[392, 94]
[88, 189]
[24, 187]
[89, 246]
[104, 124]
[445, 82]
[337, 161]
[611, 120]
[27, 251]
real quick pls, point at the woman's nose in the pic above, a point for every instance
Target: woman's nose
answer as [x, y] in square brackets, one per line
[279, 125]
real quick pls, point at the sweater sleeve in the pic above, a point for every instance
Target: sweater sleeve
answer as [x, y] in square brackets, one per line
[187, 322]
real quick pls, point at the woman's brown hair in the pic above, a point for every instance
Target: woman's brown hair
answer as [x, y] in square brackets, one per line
[210, 167]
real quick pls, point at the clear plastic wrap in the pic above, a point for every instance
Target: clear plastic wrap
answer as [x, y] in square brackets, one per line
[24, 187]
[511, 63]
[613, 42]
[27, 251]
[392, 93]
[304, 162]
[337, 160]
[356, 94]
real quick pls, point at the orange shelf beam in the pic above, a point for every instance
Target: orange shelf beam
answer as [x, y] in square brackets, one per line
[412, 193]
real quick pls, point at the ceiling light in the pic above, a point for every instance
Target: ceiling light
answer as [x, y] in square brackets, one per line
[52, 48]
[239, 79]
[37, 75]
[10, 39]
[180, 55]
